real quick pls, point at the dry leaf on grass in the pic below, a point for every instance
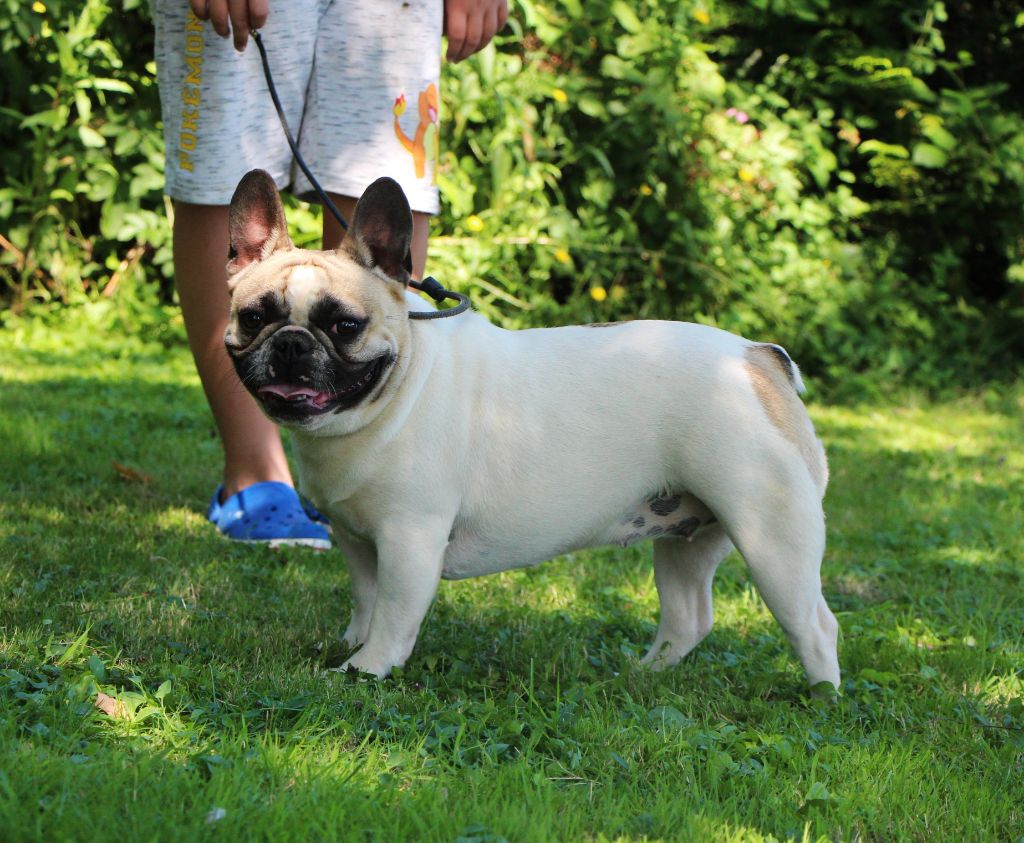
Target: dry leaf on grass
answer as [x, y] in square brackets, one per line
[112, 707]
[130, 474]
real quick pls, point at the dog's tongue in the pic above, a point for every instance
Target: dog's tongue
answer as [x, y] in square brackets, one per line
[295, 393]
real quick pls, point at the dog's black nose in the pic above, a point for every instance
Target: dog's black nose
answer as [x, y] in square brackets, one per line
[293, 346]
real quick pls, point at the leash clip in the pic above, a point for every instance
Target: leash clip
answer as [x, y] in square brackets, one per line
[432, 287]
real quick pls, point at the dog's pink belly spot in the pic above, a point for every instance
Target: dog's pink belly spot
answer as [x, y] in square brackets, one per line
[672, 514]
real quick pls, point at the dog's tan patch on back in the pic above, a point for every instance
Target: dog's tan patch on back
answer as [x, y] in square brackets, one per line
[774, 385]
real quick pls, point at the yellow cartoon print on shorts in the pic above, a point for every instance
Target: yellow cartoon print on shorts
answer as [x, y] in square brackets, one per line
[426, 136]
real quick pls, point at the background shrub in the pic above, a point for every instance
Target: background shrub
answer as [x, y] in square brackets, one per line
[844, 178]
[81, 206]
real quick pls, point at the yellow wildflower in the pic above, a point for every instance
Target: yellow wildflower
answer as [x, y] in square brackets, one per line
[558, 95]
[598, 293]
[562, 256]
[646, 190]
[39, 8]
[474, 223]
[701, 16]
[746, 175]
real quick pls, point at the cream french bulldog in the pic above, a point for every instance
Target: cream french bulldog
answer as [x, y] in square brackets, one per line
[451, 448]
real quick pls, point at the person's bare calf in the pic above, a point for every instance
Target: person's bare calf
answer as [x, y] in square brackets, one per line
[252, 443]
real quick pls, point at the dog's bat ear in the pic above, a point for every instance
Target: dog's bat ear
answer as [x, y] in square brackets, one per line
[381, 231]
[256, 223]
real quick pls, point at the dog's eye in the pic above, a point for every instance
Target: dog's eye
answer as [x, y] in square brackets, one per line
[250, 320]
[346, 327]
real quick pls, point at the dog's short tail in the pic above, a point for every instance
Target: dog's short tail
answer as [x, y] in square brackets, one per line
[776, 381]
[791, 369]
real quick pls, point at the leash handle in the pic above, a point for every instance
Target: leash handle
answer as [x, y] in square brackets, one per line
[428, 285]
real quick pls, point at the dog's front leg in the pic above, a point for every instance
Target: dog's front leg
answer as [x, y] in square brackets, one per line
[361, 560]
[409, 564]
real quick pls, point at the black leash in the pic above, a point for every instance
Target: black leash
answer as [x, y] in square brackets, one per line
[428, 285]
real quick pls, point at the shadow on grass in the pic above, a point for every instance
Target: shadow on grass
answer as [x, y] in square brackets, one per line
[103, 441]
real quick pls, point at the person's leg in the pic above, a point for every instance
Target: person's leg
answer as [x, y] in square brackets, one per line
[334, 233]
[219, 122]
[253, 452]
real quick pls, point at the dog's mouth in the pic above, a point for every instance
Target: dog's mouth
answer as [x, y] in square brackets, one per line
[291, 401]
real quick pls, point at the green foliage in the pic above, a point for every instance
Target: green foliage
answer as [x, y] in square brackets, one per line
[81, 206]
[844, 178]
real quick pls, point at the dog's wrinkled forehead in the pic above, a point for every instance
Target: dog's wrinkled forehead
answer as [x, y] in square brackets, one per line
[298, 282]
[303, 286]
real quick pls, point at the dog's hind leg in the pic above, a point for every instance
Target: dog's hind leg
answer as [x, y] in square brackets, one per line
[780, 531]
[683, 571]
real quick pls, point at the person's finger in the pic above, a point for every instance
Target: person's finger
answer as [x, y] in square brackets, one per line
[217, 13]
[200, 8]
[239, 10]
[490, 25]
[474, 34]
[474, 19]
[471, 26]
[454, 28]
[259, 11]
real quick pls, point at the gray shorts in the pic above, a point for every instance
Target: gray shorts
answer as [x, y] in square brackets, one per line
[358, 80]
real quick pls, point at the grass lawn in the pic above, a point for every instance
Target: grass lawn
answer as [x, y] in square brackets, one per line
[522, 714]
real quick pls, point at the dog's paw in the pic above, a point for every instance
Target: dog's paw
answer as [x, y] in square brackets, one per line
[825, 693]
[662, 656]
[353, 636]
[368, 666]
[348, 670]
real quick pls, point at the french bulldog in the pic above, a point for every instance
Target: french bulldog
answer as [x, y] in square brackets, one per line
[551, 440]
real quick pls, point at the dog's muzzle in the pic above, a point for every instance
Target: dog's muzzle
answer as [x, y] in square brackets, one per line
[300, 380]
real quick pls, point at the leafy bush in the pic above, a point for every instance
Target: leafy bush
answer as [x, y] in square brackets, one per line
[844, 178]
[82, 151]
[81, 207]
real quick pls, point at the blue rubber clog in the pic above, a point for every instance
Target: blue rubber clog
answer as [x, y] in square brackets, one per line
[270, 513]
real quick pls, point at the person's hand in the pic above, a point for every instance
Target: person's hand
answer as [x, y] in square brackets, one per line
[470, 25]
[239, 16]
